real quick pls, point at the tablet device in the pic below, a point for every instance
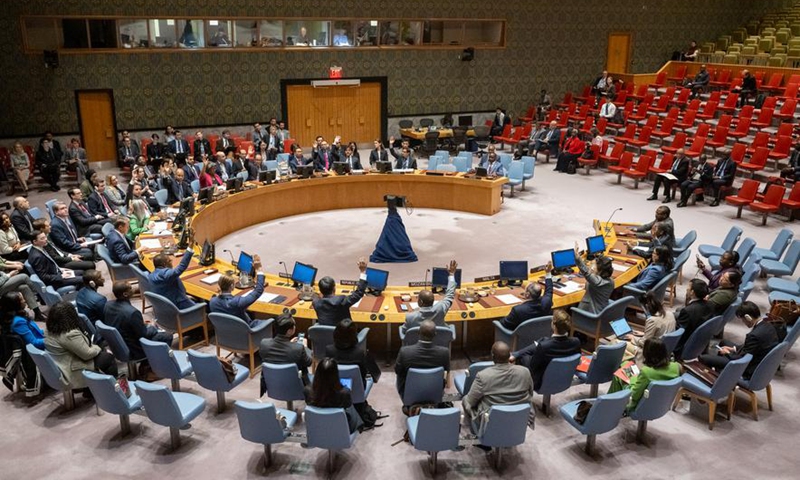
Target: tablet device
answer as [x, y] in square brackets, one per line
[620, 327]
[346, 382]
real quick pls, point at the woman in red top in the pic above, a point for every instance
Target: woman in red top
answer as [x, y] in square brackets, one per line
[570, 151]
[209, 177]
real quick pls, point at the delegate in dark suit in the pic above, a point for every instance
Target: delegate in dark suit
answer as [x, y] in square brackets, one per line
[167, 282]
[99, 205]
[295, 161]
[405, 163]
[323, 159]
[422, 354]
[201, 146]
[155, 152]
[64, 260]
[128, 320]
[23, 224]
[83, 219]
[700, 176]
[724, 173]
[179, 148]
[66, 238]
[680, 169]
[378, 156]
[352, 160]
[538, 355]
[238, 305]
[91, 304]
[548, 140]
[533, 308]
[282, 349]
[758, 343]
[691, 317]
[334, 308]
[120, 249]
[224, 145]
[49, 272]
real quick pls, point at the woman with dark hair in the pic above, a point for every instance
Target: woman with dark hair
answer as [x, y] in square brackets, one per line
[327, 392]
[570, 151]
[657, 366]
[347, 351]
[209, 177]
[662, 262]
[10, 243]
[14, 319]
[599, 283]
[659, 322]
[71, 349]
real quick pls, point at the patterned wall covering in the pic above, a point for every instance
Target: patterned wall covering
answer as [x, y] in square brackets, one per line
[553, 44]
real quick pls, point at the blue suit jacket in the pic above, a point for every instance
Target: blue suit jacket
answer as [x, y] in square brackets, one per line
[648, 277]
[91, 304]
[120, 250]
[167, 282]
[61, 236]
[126, 318]
[237, 306]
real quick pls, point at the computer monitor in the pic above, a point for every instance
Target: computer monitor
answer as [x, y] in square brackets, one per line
[233, 184]
[305, 171]
[563, 259]
[439, 277]
[303, 274]
[384, 167]
[377, 279]
[620, 327]
[206, 195]
[245, 263]
[267, 176]
[595, 245]
[465, 120]
[513, 271]
[481, 172]
[187, 206]
[341, 168]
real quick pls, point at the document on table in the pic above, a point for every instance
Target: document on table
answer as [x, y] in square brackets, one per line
[94, 242]
[150, 243]
[211, 279]
[620, 268]
[172, 211]
[508, 299]
[268, 297]
[160, 227]
[570, 287]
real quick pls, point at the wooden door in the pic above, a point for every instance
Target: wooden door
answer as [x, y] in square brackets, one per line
[98, 124]
[618, 58]
[354, 112]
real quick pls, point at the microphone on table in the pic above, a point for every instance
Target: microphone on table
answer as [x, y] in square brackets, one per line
[285, 270]
[608, 222]
[425, 283]
[233, 262]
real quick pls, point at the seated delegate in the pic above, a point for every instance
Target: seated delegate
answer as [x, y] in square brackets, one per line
[536, 305]
[537, 356]
[14, 319]
[657, 366]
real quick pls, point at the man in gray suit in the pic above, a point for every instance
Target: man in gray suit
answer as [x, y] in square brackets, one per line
[501, 384]
[285, 349]
[430, 311]
[423, 354]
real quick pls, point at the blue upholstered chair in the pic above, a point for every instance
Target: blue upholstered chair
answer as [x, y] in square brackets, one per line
[515, 174]
[210, 375]
[235, 335]
[462, 164]
[144, 283]
[606, 360]
[505, 426]
[598, 325]
[603, 417]
[463, 380]
[557, 378]
[112, 400]
[446, 167]
[433, 162]
[107, 228]
[424, 385]
[358, 392]
[434, 430]
[167, 363]
[684, 243]
[169, 409]
[283, 382]
[322, 335]
[658, 290]
[655, 403]
[117, 271]
[172, 319]
[118, 347]
[52, 375]
[526, 332]
[672, 338]
[728, 315]
[444, 336]
[779, 245]
[744, 249]
[697, 343]
[35, 213]
[762, 376]
[161, 197]
[258, 423]
[723, 388]
[327, 428]
[195, 186]
[728, 243]
[785, 267]
[529, 166]
[49, 295]
[783, 285]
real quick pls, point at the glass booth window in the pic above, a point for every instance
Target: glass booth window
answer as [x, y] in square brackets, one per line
[271, 33]
[483, 33]
[399, 32]
[133, 34]
[343, 33]
[163, 33]
[218, 33]
[245, 33]
[307, 33]
[439, 32]
[41, 34]
[191, 34]
[76, 33]
[103, 33]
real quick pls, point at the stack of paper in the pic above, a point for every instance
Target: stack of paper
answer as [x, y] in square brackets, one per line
[211, 279]
[508, 299]
[268, 297]
[570, 287]
[150, 243]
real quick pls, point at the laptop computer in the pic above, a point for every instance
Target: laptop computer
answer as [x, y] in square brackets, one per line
[620, 327]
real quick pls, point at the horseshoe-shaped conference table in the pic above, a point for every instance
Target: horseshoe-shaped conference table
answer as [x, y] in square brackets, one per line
[457, 192]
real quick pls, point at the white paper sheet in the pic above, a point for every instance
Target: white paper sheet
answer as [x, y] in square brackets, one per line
[508, 299]
[148, 243]
[93, 242]
[211, 279]
[159, 226]
[268, 297]
[570, 287]
[619, 268]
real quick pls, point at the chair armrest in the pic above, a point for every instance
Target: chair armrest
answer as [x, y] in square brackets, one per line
[95, 236]
[584, 313]
[192, 315]
[362, 335]
[193, 309]
[628, 290]
[262, 325]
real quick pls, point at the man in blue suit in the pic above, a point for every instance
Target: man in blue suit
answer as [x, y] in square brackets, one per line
[548, 140]
[65, 236]
[119, 247]
[652, 274]
[537, 305]
[128, 320]
[297, 160]
[166, 281]
[330, 308]
[89, 302]
[48, 270]
[228, 303]
[179, 147]
[723, 176]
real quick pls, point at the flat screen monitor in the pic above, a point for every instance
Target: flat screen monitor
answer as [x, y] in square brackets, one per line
[620, 327]
[304, 274]
[341, 168]
[563, 258]
[230, 184]
[305, 171]
[595, 245]
[187, 207]
[513, 271]
[377, 279]
[267, 176]
[245, 263]
[384, 167]
[481, 172]
[439, 277]
[206, 195]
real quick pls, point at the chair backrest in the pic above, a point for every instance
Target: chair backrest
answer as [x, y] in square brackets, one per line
[49, 205]
[792, 256]
[443, 338]
[208, 371]
[353, 372]
[729, 377]
[114, 340]
[444, 156]
[671, 339]
[446, 167]
[47, 292]
[195, 186]
[161, 196]
[107, 228]
[681, 260]
[161, 358]
[283, 381]
[658, 400]
[232, 332]
[142, 278]
[320, 336]
[164, 311]
[606, 361]
[473, 371]
[792, 334]
[35, 213]
[745, 248]
[433, 162]
[327, 428]
[105, 393]
[424, 385]
[405, 123]
[258, 422]
[606, 413]
[462, 164]
[506, 425]
[505, 159]
[731, 238]
[614, 311]
[558, 374]
[48, 368]
[438, 429]
[766, 370]
[159, 404]
[698, 340]
[781, 241]
[686, 242]
[515, 171]
[532, 330]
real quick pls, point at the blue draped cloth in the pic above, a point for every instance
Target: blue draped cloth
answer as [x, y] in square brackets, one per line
[393, 245]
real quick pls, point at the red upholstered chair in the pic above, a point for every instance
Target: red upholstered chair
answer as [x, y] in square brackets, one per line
[663, 102]
[641, 169]
[764, 119]
[287, 145]
[661, 80]
[506, 133]
[730, 103]
[143, 146]
[602, 125]
[680, 74]
[696, 149]
[652, 122]
[641, 91]
[702, 130]
[742, 128]
[247, 146]
[769, 102]
[640, 113]
[683, 98]
[719, 140]
[693, 105]
[785, 129]
[625, 162]
[587, 125]
[621, 98]
[562, 120]
[630, 132]
[567, 100]
[771, 204]
[664, 166]
[745, 196]
[678, 142]
[643, 140]
[709, 111]
[585, 96]
[687, 121]
[665, 130]
[587, 163]
[760, 140]
[673, 114]
[513, 139]
[551, 115]
[757, 162]
[737, 152]
[528, 116]
[781, 150]
[581, 114]
[613, 157]
[774, 83]
[793, 202]
[790, 91]
[725, 120]
[723, 77]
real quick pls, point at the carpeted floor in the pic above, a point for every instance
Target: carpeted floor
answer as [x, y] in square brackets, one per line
[39, 440]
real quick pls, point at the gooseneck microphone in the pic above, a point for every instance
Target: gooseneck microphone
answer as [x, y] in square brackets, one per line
[427, 271]
[285, 270]
[608, 222]
[233, 262]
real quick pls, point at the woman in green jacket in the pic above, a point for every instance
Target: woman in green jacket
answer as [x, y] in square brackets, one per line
[139, 218]
[657, 366]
